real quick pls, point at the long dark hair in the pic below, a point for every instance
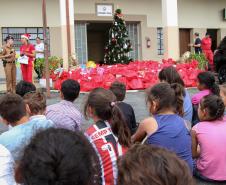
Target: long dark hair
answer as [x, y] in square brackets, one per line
[214, 106]
[167, 96]
[102, 101]
[170, 75]
[208, 80]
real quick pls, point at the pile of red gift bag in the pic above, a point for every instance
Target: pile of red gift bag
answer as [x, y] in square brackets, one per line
[137, 75]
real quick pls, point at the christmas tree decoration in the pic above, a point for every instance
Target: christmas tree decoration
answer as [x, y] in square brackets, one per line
[118, 46]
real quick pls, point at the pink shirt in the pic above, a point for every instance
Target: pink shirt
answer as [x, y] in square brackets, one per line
[211, 137]
[197, 97]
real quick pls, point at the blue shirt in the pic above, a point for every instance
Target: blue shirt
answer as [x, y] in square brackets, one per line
[174, 136]
[19, 136]
[188, 110]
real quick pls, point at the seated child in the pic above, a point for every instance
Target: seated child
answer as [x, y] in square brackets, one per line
[58, 156]
[13, 111]
[65, 114]
[6, 167]
[119, 90]
[143, 165]
[170, 75]
[223, 94]
[109, 133]
[24, 87]
[206, 85]
[166, 128]
[209, 135]
[36, 102]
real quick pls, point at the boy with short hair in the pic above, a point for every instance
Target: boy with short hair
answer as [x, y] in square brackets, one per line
[65, 114]
[24, 87]
[13, 111]
[119, 89]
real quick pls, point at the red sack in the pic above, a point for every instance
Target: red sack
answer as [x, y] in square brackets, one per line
[129, 74]
[108, 80]
[136, 84]
[57, 84]
[87, 86]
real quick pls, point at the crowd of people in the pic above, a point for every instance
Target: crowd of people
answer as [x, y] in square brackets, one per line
[183, 137]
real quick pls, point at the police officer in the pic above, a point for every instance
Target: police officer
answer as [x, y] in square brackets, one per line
[8, 56]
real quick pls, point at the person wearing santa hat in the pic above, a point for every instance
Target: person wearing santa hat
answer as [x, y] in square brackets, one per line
[28, 50]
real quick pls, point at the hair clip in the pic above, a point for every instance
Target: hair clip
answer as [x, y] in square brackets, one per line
[112, 104]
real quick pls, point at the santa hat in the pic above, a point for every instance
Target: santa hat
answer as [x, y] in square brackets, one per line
[26, 36]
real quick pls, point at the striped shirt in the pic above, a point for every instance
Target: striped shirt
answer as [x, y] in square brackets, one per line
[108, 150]
[65, 115]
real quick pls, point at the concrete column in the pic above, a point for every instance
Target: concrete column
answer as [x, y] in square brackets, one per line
[64, 30]
[170, 29]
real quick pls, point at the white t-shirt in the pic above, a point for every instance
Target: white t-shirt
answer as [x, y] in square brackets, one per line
[39, 47]
[6, 167]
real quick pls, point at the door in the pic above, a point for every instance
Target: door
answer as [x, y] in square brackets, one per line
[213, 35]
[185, 39]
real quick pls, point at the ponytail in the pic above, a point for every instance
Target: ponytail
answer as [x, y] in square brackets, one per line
[215, 89]
[119, 127]
[179, 92]
[102, 102]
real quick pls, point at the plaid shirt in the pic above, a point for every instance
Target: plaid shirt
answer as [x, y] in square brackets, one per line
[65, 115]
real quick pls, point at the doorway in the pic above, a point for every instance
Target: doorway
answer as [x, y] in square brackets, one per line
[185, 39]
[97, 37]
[213, 35]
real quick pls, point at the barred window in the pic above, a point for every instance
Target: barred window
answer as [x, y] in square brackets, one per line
[17, 32]
[160, 41]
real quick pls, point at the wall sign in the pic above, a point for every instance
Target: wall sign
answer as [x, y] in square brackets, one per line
[104, 10]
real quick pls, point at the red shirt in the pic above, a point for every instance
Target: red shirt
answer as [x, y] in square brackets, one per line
[108, 150]
[206, 43]
[29, 49]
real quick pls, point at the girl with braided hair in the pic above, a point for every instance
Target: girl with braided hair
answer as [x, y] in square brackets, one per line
[209, 135]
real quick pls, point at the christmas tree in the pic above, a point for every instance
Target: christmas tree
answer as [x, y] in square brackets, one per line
[118, 47]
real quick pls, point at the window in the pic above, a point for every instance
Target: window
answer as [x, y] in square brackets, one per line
[160, 41]
[17, 32]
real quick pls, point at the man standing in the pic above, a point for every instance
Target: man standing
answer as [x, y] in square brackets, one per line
[8, 55]
[39, 50]
[206, 48]
[197, 44]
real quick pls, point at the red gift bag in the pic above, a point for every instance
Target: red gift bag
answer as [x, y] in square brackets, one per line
[136, 84]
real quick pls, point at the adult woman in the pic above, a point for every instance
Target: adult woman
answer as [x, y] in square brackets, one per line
[28, 50]
[8, 56]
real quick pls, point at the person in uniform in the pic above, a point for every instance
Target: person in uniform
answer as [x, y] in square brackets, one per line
[28, 50]
[8, 56]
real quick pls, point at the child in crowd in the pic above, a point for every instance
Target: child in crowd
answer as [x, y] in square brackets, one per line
[210, 136]
[36, 102]
[206, 85]
[65, 114]
[143, 165]
[223, 94]
[166, 128]
[13, 111]
[58, 156]
[170, 75]
[6, 167]
[109, 133]
[119, 90]
[24, 87]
